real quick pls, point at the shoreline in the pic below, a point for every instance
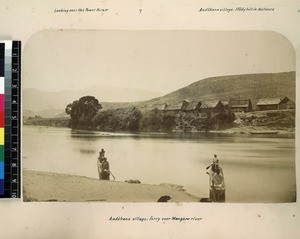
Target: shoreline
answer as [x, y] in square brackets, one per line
[41, 186]
[230, 131]
[270, 121]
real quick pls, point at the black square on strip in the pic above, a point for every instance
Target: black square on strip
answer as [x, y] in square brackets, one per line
[14, 170]
[14, 91]
[14, 154]
[2, 56]
[14, 60]
[14, 144]
[1, 68]
[14, 186]
[14, 130]
[14, 75]
[2, 50]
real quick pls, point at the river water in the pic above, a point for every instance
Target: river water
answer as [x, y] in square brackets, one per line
[256, 169]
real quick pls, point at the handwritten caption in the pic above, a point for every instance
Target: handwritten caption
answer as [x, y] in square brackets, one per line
[237, 9]
[155, 219]
[201, 9]
[80, 10]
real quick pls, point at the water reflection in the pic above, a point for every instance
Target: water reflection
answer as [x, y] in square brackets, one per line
[87, 151]
[257, 169]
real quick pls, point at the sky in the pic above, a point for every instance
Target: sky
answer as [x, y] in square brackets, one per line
[160, 61]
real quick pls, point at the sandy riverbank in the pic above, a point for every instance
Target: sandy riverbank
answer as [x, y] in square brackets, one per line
[47, 187]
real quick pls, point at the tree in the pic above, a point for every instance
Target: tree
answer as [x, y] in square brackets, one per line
[152, 120]
[168, 121]
[82, 111]
[134, 120]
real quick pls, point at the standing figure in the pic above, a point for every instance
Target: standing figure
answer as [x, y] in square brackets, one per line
[99, 162]
[105, 169]
[212, 170]
[217, 185]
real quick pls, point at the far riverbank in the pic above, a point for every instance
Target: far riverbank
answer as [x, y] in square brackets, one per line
[237, 130]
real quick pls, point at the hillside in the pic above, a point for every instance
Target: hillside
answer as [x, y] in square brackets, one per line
[254, 87]
[251, 86]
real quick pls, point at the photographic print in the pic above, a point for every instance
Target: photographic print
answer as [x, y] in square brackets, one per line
[159, 116]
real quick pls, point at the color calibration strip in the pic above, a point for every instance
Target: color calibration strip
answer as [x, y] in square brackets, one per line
[10, 140]
[2, 64]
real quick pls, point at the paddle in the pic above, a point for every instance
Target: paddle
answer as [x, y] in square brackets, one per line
[112, 175]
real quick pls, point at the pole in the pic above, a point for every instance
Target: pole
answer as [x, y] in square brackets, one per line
[112, 175]
[208, 167]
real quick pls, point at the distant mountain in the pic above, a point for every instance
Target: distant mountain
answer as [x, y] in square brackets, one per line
[53, 113]
[250, 86]
[36, 100]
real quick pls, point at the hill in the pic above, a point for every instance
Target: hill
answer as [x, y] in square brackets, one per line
[250, 86]
[123, 117]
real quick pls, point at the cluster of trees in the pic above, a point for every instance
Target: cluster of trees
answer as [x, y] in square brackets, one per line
[132, 119]
[85, 113]
[206, 121]
[118, 120]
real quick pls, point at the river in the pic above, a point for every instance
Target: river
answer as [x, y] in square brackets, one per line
[256, 169]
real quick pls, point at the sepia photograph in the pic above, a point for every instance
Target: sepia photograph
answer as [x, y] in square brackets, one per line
[159, 116]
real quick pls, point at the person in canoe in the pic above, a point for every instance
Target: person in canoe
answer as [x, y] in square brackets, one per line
[213, 168]
[218, 185]
[99, 162]
[105, 172]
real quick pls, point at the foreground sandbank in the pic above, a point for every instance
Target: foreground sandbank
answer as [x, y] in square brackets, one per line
[47, 187]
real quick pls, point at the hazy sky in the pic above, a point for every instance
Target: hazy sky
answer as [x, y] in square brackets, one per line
[162, 61]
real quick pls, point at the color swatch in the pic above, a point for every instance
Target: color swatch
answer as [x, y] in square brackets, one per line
[2, 66]
[10, 72]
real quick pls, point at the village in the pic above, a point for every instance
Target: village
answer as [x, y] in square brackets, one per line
[235, 116]
[233, 105]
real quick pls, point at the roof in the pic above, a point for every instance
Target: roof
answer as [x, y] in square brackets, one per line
[174, 106]
[225, 102]
[270, 101]
[286, 100]
[192, 105]
[238, 103]
[210, 104]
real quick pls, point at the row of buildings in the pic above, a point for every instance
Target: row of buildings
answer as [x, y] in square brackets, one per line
[236, 105]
